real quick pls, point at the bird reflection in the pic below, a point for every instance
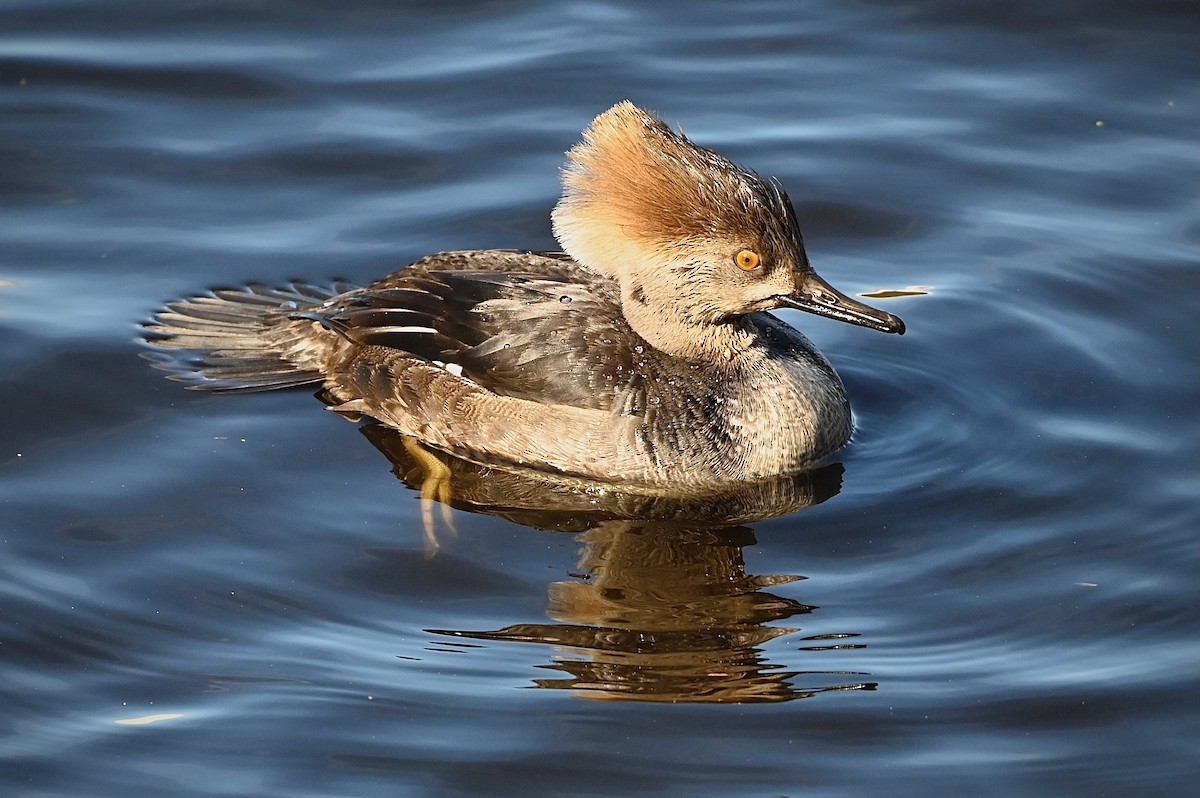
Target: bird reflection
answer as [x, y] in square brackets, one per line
[663, 609]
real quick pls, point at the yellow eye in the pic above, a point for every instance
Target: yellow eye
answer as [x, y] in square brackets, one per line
[748, 259]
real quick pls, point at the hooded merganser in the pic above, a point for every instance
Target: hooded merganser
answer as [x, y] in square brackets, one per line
[644, 353]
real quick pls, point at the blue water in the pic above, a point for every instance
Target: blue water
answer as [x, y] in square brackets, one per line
[994, 594]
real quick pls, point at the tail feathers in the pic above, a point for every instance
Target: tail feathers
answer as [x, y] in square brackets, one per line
[242, 339]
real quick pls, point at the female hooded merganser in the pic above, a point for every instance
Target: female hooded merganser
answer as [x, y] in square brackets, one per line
[643, 354]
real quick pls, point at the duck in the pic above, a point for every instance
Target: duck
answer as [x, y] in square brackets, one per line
[644, 353]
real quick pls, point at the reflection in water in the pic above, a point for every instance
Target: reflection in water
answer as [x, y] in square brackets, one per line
[664, 609]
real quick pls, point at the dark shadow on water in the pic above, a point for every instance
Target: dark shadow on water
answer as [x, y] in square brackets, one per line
[663, 609]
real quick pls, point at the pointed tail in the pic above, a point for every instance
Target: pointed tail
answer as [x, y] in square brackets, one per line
[242, 339]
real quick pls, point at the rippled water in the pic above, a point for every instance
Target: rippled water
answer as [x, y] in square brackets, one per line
[993, 591]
